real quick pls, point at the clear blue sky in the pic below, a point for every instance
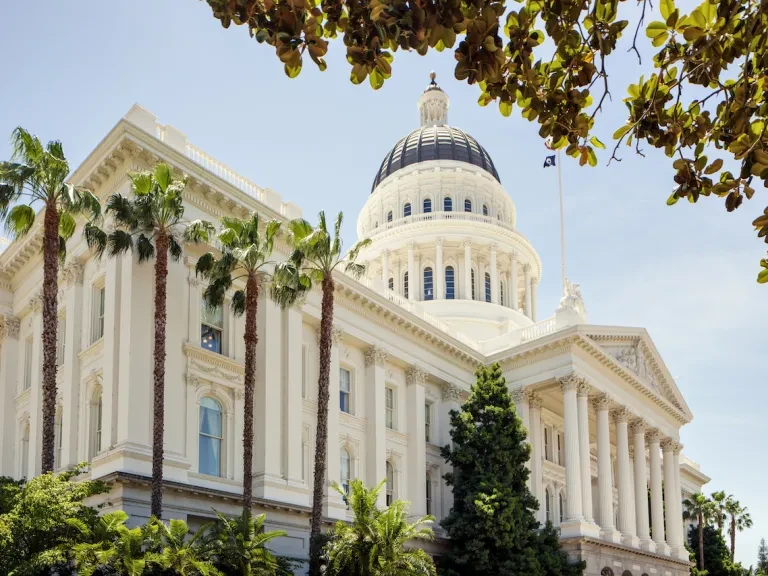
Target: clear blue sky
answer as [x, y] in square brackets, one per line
[686, 273]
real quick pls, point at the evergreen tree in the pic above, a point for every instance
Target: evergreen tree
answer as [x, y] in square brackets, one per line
[717, 556]
[492, 526]
[762, 558]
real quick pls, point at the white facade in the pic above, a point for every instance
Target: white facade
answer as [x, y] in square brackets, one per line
[603, 412]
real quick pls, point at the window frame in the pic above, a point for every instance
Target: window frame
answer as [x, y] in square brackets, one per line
[429, 283]
[407, 210]
[389, 470]
[426, 206]
[467, 205]
[29, 346]
[206, 324]
[345, 485]
[428, 494]
[61, 338]
[450, 285]
[447, 204]
[472, 281]
[405, 284]
[487, 291]
[98, 310]
[348, 392]
[486, 210]
[221, 439]
[428, 422]
[390, 408]
[390, 216]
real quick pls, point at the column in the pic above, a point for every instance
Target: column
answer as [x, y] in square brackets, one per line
[412, 285]
[397, 284]
[35, 393]
[73, 278]
[537, 455]
[586, 466]
[334, 506]
[534, 285]
[450, 401]
[376, 450]
[439, 277]
[520, 398]
[292, 402]
[604, 480]
[417, 465]
[513, 295]
[657, 500]
[385, 268]
[673, 519]
[626, 491]
[574, 512]
[9, 387]
[528, 300]
[678, 500]
[467, 269]
[494, 276]
[267, 456]
[641, 486]
[110, 376]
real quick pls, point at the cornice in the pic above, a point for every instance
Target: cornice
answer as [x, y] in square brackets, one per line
[223, 366]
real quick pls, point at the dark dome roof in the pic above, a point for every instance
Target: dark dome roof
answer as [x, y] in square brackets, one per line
[435, 143]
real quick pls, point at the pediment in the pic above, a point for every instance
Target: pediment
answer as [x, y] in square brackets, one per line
[634, 351]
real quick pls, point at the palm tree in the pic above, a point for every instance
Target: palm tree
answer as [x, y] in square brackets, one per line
[239, 546]
[699, 507]
[316, 254]
[374, 543]
[719, 500]
[36, 175]
[110, 545]
[245, 252]
[174, 553]
[740, 519]
[154, 216]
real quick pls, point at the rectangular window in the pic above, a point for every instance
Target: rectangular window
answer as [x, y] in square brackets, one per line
[546, 444]
[427, 423]
[61, 338]
[211, 328]
[97, 310]
[345, 390]
[28, 364]
[303, 371]
[389, 401]
[559, 450]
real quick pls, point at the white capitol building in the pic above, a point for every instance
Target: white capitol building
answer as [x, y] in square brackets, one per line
[450, 285]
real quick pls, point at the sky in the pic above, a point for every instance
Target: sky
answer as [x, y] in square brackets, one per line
[686, 273]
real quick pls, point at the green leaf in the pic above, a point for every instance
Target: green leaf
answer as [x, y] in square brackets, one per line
[505, 108]
[762, 277]
[596, 143]
[672, 200]
[591, 157]
[666, 7]
[376, 79]
[691, 33]
[656, 29]
[714, 167]
[659, 40]
[621, 131]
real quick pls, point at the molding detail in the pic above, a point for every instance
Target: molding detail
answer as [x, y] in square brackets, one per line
[375, 356]
[638, 426]
[36, 302]
[654, 435]
[451, 392]
[602, 402]
[73, 273]
[622, 415]
[521, 395]
[571, 382]
[668, 445]
[535, 401]
[583, 389]
[415, 375]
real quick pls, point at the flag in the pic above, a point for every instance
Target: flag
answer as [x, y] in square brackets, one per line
[549, 161]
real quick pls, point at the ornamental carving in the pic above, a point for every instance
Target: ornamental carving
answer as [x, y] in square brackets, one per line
[451, 392]
[677, 448]
[668, 445]
[535, 401]
[466, 243]
[415, 375]
[602, 402]
[520, 395]
[12, 326]
[572, 299]
[637, 426]
[375, 356]
[73, 273]
[633, 358]
[216, 371]
[654, 436]
[622, 415]
[583, 389]
[36, 302]
[570, 382]
[194, 381]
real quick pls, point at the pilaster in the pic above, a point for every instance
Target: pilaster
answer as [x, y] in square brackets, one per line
[537, 455]
[73, 296]
[292, 401]
[334, 506]
[376, 449]
[417, 471]
[9, 388]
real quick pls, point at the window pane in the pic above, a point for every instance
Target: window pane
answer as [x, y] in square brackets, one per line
[467, 205]
[344, 380]
[344, 470]
[427, 205]
[212, 316]
[28, 364]
[487, 287]
[429, 494]
[389, 216]
[447, 204]
[450, 283]
[485, 210]
[391, 284]
[405, 285]
[407, 209]
[210, 417]
[209, 460]
[428, 294]
[210, 338]
[210, 456]
[472, 273]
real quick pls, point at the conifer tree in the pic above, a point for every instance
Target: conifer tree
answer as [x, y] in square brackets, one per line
[492, 526]
[762, 558]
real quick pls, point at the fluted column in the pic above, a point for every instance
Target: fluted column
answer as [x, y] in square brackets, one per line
[513, 296]
[657, 500]
[439, 270]
[537, 455]
[528, 300]
[494, 276]
[10, 385]
[520, 397]
[672, 506]
[292, 427]
[412, 285]
[626, 492]
[574, 509]
[376, 452]
[586, 468]
[385, 268]
[534, 286]
[604, 481]
[679, 527]
[641, 486]
[467, 269]
[417, 468]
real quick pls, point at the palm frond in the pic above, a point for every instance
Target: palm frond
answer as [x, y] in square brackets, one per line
[199, 231]
[141, 182]
[205, 264]
[121, 209]
[20, 220]
[163, 174]
[95, 238]
[145, 248]
[174, 248]
[67, 225]
[119, 242]
[237, 304]
[26, 146]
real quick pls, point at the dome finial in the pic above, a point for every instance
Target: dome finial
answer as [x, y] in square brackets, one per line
[433, 104]
[432, 76]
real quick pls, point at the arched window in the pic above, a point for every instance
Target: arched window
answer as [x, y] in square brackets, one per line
[427, 205]
[467, 205]
[487, 287]
[428, 292]
[447, 204]
[405, 285]
[97, 408]
[24, 464]
[389, 216]
[607, 571]
[450, 283]
[391, 283]
[344, 469]
[390, 484]
[407, 210]
[548, 505]
[501, 293]
[472, 280]
[428, 494]
[211, 437]
[626, 573]
[485, 209]
[560, 505]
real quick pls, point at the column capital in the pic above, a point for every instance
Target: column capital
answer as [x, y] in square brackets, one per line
[512, 257]
[415, 375]
[521, 395]
[622, 415]
[535, 401]
[439, 242]
[494, 247]
[527, 268]
[73, 273]
[412, 245]
[668, 445]
[570, 382]
[9, 326]
[375, 356]
[466, 243]
[193, 280]
[637, 426]
[482, 258]
[385, 253]
[534, 280]
[677, 448]
[336, 335]
[583, 388]
[36, 302]
[451, 392]
[602, 402]
[653, 436]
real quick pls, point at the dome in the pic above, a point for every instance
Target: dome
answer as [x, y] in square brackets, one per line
[435, 143]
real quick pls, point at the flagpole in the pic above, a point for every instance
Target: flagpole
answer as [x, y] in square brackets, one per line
[562, 221]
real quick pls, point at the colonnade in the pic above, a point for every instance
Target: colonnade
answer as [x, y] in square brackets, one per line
[502, 268]
[662, 531]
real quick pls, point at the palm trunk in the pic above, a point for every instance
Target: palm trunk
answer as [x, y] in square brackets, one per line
[321, 444]
[733, 537]
[251, 338]
[701, 541]
[158, 426]
[50, 313]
